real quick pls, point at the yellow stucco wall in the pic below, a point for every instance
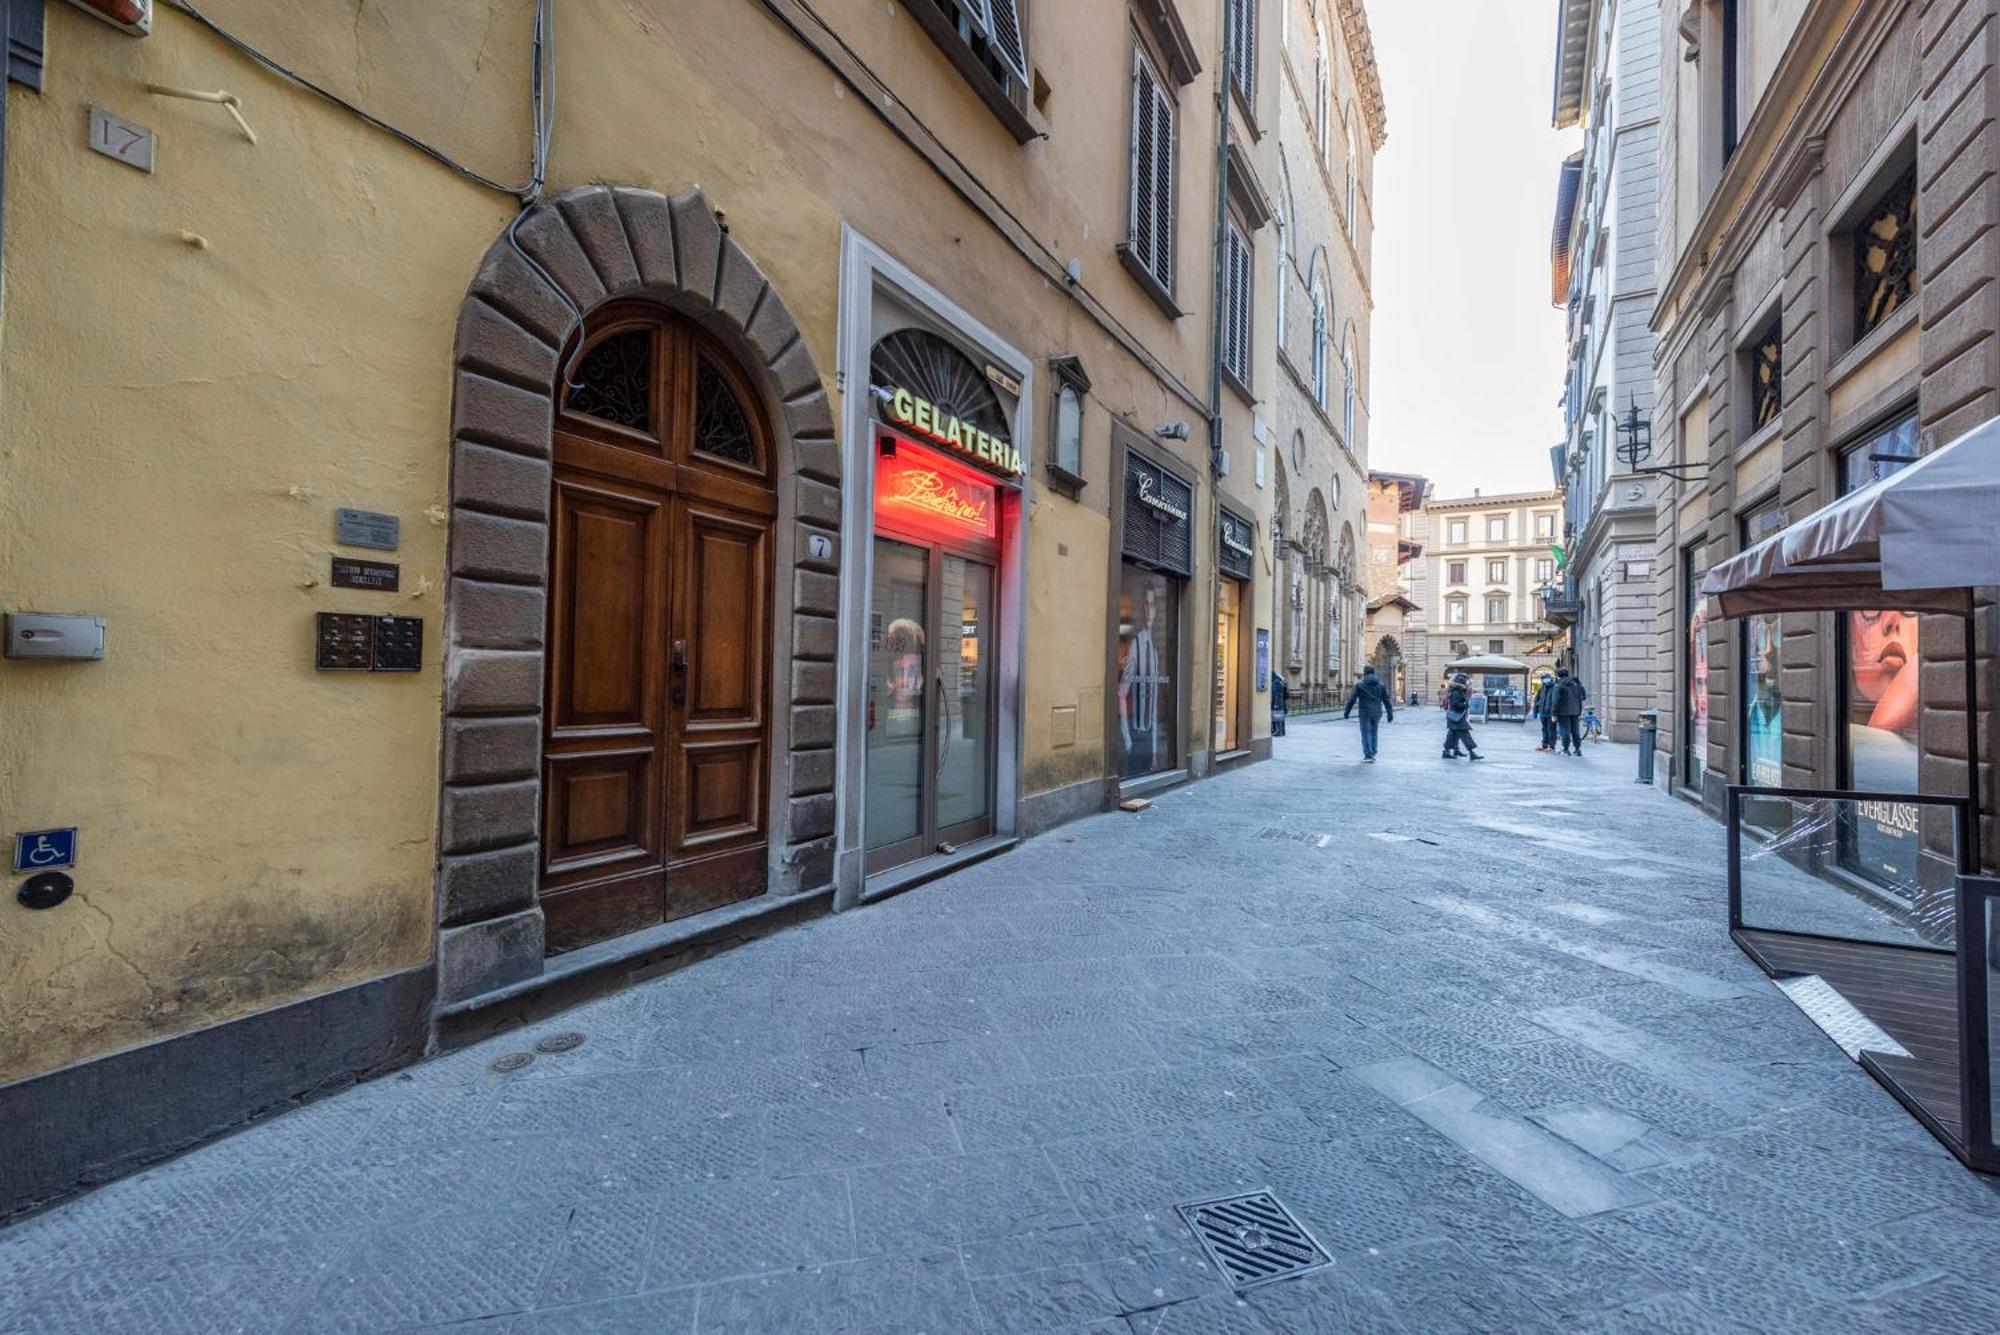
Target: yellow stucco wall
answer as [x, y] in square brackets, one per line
[181, 422]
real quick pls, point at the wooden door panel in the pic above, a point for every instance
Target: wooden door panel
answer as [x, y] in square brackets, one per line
[600, 810]
[721, 793]
[723, 618]
[605, 610]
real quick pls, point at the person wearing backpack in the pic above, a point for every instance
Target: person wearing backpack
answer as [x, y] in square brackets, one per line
[1570, 695]
[1457, 724]
[1373, 697]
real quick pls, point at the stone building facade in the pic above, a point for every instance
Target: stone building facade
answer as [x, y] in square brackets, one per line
[1484, 560]
[1329, 127]
[525, 568]
[1395, 639]
[1828, 311]
[1607, 82]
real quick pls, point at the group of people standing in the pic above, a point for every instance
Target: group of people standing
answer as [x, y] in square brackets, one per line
[1560, 705]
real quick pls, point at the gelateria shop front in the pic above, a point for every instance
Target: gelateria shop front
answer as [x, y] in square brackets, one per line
[946, 504]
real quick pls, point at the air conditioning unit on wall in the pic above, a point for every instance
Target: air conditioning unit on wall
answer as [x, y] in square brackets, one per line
[131, 16]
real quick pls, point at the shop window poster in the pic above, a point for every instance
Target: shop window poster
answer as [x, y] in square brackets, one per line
[1764, 749]
[1697, 703]
[1884, 836]
[1148, 648]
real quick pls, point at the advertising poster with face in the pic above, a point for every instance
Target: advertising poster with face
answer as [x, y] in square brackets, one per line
[1697, 703]
[1148, 648]
[1764, 750]
[1881, 650]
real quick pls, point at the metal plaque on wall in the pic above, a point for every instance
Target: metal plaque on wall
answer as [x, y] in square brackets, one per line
[351, 573]
[366, 528]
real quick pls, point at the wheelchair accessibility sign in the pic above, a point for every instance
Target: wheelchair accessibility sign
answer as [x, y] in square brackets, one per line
[44, 850]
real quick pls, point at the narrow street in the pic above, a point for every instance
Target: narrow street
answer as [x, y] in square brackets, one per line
[1477, 1026]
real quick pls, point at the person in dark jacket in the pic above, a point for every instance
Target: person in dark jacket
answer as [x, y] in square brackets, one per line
[1279, 692]
[1545, 710]
[1457, 720]
[1373, 697]
[1570, 695]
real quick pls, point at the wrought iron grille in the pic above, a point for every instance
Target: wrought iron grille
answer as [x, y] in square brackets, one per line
[613, 381]
[1767, 374]
[721, 427]
[1885, 256]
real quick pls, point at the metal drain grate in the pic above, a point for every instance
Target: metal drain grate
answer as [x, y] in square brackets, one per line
[1253, 1239]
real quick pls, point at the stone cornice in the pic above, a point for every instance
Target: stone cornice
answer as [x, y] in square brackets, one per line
[1361, 54]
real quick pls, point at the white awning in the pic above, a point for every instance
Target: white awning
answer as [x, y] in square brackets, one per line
[1487, 663]
[1918, 540]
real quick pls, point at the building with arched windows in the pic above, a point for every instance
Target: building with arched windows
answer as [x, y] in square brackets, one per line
[1330, 125]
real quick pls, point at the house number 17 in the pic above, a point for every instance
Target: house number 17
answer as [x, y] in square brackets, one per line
[116, 137]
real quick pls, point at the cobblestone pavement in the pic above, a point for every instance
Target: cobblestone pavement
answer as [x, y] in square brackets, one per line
[1479, 1026]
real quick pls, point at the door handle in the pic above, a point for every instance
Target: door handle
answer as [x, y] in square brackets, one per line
[677, 690]
[943, 725]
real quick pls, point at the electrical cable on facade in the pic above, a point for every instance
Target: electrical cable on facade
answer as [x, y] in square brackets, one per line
[541, 123]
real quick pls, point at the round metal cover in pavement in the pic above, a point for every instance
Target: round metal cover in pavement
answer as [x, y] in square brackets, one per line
[562, 1042]
[513, 1061]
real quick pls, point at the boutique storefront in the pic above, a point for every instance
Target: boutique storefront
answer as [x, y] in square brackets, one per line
[1235, 556]
[1156, 561]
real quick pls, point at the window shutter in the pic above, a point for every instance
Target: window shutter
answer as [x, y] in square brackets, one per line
[21, 26]
[1163, 187]
[1243, 51]
[1236, 324]
[1004, 33]
[1141, 232]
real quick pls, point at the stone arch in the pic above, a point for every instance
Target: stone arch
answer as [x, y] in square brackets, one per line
[536, 284]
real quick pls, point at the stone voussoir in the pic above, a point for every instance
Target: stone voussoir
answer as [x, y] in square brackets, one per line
[593, 219]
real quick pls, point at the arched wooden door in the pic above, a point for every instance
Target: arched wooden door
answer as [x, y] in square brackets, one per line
[656, 736]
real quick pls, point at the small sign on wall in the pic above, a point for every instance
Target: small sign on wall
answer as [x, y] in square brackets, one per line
[44, 850]
[1263, 660]
[121, 140]
[352, 573]
[366, 528]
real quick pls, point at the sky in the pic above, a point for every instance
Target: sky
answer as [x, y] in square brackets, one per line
[1468, 352]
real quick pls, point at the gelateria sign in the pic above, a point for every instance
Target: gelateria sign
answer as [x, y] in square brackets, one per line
[926, 420]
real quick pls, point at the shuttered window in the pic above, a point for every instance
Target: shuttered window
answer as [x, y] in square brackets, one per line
[1243, 48]
[993, 27]
[1236, 308]
[1151, 239]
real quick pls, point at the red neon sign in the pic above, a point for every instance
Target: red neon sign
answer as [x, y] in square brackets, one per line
[916, 487]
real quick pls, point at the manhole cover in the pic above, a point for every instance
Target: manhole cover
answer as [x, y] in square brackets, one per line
[1253, 1239]
[513, 1061]
[562, 1042]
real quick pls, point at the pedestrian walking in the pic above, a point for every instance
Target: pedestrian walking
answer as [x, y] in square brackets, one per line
[1545, 711]
[1280, 694]
[1457, 720]
[1373, 697]
[1570, 695]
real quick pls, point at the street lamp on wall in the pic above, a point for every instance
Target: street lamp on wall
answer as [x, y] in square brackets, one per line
[1635, 446]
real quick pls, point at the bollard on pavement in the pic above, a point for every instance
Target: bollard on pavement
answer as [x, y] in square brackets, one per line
[1649, 735]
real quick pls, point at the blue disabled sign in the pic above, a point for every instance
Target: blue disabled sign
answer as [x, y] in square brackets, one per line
[41, 850]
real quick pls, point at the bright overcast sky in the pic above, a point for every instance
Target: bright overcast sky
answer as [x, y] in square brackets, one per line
[1468, 352]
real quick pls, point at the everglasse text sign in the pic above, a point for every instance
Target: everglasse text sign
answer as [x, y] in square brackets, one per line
[925, 419]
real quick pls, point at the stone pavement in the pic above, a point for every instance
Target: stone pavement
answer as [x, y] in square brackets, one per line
[1480, 1027]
